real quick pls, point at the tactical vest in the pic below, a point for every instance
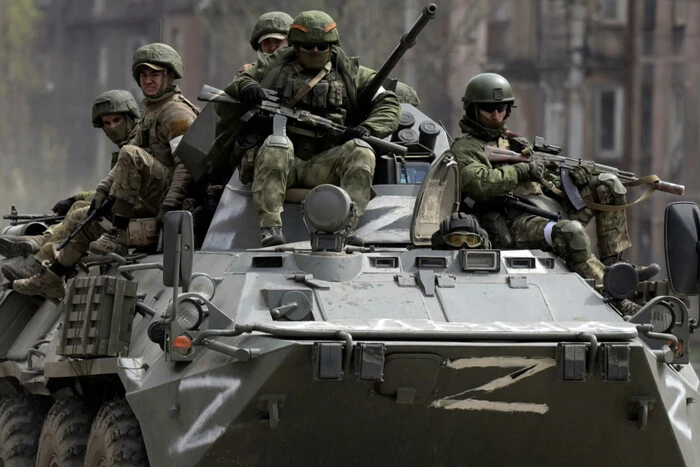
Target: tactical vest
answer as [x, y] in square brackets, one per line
[148, 126]
[334, 97]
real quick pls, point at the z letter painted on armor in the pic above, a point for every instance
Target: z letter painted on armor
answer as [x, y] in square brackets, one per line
[464, 401]
[197, 435]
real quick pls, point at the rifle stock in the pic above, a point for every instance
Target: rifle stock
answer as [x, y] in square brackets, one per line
[500, 156]
[212, 94]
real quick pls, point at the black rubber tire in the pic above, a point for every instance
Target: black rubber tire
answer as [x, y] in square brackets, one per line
[65, 434]
[21, 418]
[115, 437]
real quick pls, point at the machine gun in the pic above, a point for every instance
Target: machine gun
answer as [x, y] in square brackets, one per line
[15, 218]
[311, 125]
[549, 155]
[407, 41]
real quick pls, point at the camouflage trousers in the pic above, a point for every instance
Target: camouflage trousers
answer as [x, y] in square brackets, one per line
[611, 226]
[57, 233]
[139, 178]
[569, 241]
[79, 246]
[350, 166]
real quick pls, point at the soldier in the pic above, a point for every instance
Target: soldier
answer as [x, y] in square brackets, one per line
[117, 113]
[147, 178]
[269, 34]
[314, 74]
[488, 101]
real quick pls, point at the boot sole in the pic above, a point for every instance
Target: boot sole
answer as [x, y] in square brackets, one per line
[10, 249]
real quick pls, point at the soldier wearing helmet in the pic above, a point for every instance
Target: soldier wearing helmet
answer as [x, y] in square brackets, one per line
[269, 34]
[117, 113]
[313, 74]
[147, 180]
[488, 101]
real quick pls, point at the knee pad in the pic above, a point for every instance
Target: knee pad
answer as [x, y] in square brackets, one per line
[277, 141]
[571, 241]
[610, 190]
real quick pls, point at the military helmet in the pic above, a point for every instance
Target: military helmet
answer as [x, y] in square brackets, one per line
[460, 230]
[115, 101]
[157, 56]
[271, 24]
[313, 27]
[488, 88]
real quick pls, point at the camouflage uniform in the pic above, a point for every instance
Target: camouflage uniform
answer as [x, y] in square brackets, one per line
[484, 182]
[113, 102]
[299, 160]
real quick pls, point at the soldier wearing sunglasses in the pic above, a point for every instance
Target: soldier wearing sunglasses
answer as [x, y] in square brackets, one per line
[488, 102]
[313, 74]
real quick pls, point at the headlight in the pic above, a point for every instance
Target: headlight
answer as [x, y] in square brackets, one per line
[189, 314]
[663, 318]
[202, 284]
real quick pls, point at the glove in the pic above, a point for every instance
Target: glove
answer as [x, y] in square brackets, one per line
[534, 170]
[354, 132]
[61, 208]
[102, 203]
[521, 145]
[162, 212]
[581, 175]
[253, 95]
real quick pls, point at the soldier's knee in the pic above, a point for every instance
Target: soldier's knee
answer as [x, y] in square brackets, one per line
[128, 154]
[571, 241]
[276, 153]
[361, 154]
[609, 189]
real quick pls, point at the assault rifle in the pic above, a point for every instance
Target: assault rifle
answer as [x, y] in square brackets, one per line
[79, 228]
[311, 124]
[549, 156]
[15, 218]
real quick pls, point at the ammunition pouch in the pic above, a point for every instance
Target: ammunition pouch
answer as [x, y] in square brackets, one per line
[142, 232]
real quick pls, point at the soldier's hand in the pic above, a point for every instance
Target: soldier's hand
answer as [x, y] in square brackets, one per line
[354, 132]
[101, 203]
[581, 175]
[253, 95]
[61, 208]
[535, 170]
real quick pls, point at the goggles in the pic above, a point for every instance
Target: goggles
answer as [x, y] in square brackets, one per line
[463, 239]
[320, 47]
[490, 107]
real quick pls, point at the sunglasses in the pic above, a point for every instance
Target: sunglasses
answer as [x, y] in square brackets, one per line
[488, 107]
[319, 47]
[462, 239]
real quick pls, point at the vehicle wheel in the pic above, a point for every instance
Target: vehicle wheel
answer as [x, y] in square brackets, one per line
[21, 418]
[115, 438]
[65, 433]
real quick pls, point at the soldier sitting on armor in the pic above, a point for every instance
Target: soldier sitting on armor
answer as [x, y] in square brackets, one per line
[269, 34]
[314, 74]
[147, 179]
[117, 113]
[488, 101]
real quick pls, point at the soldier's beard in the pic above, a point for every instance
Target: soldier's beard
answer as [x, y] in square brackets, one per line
[313, 61]
[120, 133]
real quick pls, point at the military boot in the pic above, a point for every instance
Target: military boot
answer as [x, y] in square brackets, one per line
[110, 242]
[351, 238]
[625, 306]
[46, 283]
[12, 245]
[13, 272]
[643, 272]
[272, 236]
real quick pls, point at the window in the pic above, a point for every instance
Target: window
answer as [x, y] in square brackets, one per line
[609, 121]
[680, 11]
[613, 10]
[103, 66]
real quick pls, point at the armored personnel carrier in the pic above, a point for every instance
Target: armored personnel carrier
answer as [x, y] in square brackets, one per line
[315, 353]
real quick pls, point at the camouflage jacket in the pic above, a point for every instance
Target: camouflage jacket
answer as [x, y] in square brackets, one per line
[481, 180]
[165, 118]
[275, 72]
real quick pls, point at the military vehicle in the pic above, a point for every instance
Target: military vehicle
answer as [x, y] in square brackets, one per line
[318, 353]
